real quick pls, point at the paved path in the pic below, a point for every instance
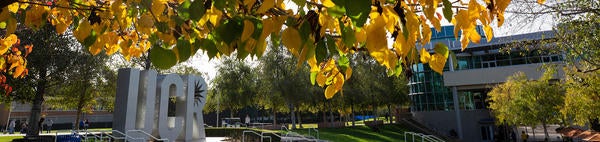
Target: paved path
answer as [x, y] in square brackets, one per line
[208, 139]
[539, 133]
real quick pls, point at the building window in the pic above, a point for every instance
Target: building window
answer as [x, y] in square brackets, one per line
[487, 133]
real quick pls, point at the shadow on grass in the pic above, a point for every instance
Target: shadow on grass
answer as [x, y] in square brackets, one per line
[390, 132]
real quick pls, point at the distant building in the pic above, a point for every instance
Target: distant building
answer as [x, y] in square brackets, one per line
[456, 100]
[63, 119]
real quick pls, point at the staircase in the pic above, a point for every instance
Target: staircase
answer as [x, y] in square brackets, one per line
[407, 120]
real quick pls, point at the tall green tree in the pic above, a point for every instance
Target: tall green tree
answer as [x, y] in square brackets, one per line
[235, 84]
[520, 101]
[576, 26]
[89, 83]
[47, 67]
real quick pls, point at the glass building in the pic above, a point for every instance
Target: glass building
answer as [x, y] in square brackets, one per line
[456, 100]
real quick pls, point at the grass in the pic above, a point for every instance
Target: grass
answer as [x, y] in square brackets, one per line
[9, 138]
[390, 132]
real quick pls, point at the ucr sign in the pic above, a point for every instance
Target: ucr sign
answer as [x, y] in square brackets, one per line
[142, 103]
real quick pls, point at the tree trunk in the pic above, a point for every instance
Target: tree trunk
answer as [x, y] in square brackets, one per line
[36, 109]
[299, 119]
[352, 109]
[274, 117]
[80, 104]
[293, 111]
[546, 136]
[389, 115]
[324, 117]
[533, 131]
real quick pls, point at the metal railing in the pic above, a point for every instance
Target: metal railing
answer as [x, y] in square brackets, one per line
[313, 129]
[146, 134]
[424, 138]
[111, 136]
[262, 137]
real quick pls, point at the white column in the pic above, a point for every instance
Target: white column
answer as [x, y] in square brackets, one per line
[456, 105]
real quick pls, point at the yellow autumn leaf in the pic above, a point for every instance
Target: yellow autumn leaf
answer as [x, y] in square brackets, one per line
[18, 71]
[249, 3]
[348, 73]
[330, 91]
[321, 79]
[291, 40]
[4, 15]
[425, 30]
[425, 56]
[250, 44]
[489, 33]
[375, 34]
[34, 17]
[361, 35]
[83, 30]
[437, 63]
[338, 82]
[158, 6]
[266, 5]
[14, 7]
[267, 28]
[248, 30]
[327, 3]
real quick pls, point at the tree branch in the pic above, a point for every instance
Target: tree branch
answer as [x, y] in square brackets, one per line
[58, 6]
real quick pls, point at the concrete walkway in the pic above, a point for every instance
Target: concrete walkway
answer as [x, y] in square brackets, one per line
[539, 133]
[208, 139]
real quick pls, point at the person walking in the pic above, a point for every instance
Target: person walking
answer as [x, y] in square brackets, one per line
[41, 124]
[524, 136]
[11, 127]
[49, 126]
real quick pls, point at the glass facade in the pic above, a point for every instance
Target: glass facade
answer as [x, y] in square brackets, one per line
[504, 59]
[427, 90]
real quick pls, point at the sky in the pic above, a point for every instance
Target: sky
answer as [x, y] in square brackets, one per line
[512, 26]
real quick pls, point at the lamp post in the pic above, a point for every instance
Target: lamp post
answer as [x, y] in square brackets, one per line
[218, 103]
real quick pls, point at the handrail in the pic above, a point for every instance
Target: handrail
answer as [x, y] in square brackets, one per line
[142, 132]
[284, 127]
[423, 137]
[260, 135]
[125, 136]
[314, 129]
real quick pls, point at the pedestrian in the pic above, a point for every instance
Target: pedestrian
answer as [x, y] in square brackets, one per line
[49, 126]
[11, 127]
[81, 125]
[40, 125]
[247, 120]
[524, 136]
[87, 124]
[24, 127]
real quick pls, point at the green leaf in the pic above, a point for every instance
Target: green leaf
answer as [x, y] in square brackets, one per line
[162, 58]
[2, 25]
[91, 39]
[300, 3]
[184, 9]
[337, 11]
[358, 11]
[162, 27]
[331, 44]
[455, 61]
[447, 10]
[184, 48]
[305, 31]
[398, 69]
[219, 4]
[344, 62]
[441, 48]
[230, 30]
[313, 77]
[321, 51]
[209, 46]
[197, 10]
[258, 28]
[348, 35]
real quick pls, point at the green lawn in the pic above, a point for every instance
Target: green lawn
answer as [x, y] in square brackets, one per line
[390, 132]
[9, 138]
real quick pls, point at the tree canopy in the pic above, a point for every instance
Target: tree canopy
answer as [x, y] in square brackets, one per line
[170, 31]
